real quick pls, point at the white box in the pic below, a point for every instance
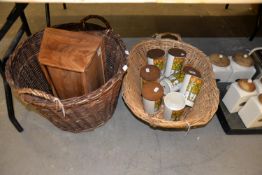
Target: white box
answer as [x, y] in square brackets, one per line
[240, 72]
[236, 97]
[251, 113]
[258, 86]
[222, 73]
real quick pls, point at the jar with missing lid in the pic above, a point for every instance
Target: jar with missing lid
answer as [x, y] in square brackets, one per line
[251, 113]
[242, 67]
[174, 106]
[152, 97]
[149, 73]
[191, 85]
[156, 57]
[238, 94]
[175, 60]
[221, 67]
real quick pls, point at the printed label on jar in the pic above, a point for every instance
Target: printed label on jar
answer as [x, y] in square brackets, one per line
[193, 88]
[157, 105]
[176, 115]
[177, 78]
[177, 65]
[159, 62]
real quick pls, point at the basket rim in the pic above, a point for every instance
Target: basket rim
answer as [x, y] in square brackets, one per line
[162, 123]
[79, 99]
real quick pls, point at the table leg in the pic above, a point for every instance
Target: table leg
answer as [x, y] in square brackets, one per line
[17, 11]
[25, 24]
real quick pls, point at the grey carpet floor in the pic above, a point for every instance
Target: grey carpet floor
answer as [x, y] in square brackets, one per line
[126, 146]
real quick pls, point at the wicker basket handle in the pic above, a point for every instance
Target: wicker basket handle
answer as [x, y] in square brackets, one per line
[102, 19]
[41, 94]
[167, 35]
[34, 92]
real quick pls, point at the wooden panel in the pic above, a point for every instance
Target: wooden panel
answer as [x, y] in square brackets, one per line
[67, 83]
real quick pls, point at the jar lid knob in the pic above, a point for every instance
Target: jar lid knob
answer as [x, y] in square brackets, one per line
[245, 56]
[147, 70]
[220, 56]
[156, 89]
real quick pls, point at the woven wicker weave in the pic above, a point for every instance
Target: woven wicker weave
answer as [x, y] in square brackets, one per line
[206, 103]
[82, 113]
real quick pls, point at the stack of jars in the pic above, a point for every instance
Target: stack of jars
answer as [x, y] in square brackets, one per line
[167, 78]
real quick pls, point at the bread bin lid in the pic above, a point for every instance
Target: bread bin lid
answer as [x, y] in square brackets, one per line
[68, 50]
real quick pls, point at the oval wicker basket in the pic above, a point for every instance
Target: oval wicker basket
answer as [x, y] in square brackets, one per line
[206, 103]
[76, 114]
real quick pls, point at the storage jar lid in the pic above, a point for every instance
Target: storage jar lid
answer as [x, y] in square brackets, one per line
[152, 91]
[150, 73]
[243, 59]
[155, 53]
[246, 85]
[192, 71]
[176, 52]
[175, 101]
[219, 60]
[260, 98]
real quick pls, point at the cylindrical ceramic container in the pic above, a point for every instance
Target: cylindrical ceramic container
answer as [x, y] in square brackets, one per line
[191, 85]
[175, 61]
[152, 97]
[149, 73]
[156, 57]
[174, 106]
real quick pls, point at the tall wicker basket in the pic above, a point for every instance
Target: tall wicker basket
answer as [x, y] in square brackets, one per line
[206, 103]
[75, 114]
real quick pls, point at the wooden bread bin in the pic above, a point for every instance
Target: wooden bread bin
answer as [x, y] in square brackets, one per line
[73, 62]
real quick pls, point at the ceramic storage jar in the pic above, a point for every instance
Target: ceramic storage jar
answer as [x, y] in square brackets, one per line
[242, 67]
[149, 73]
[221, 67]
[251, 113]
[238, 94]
[258, 83]
[152, 97]
[156, 57]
